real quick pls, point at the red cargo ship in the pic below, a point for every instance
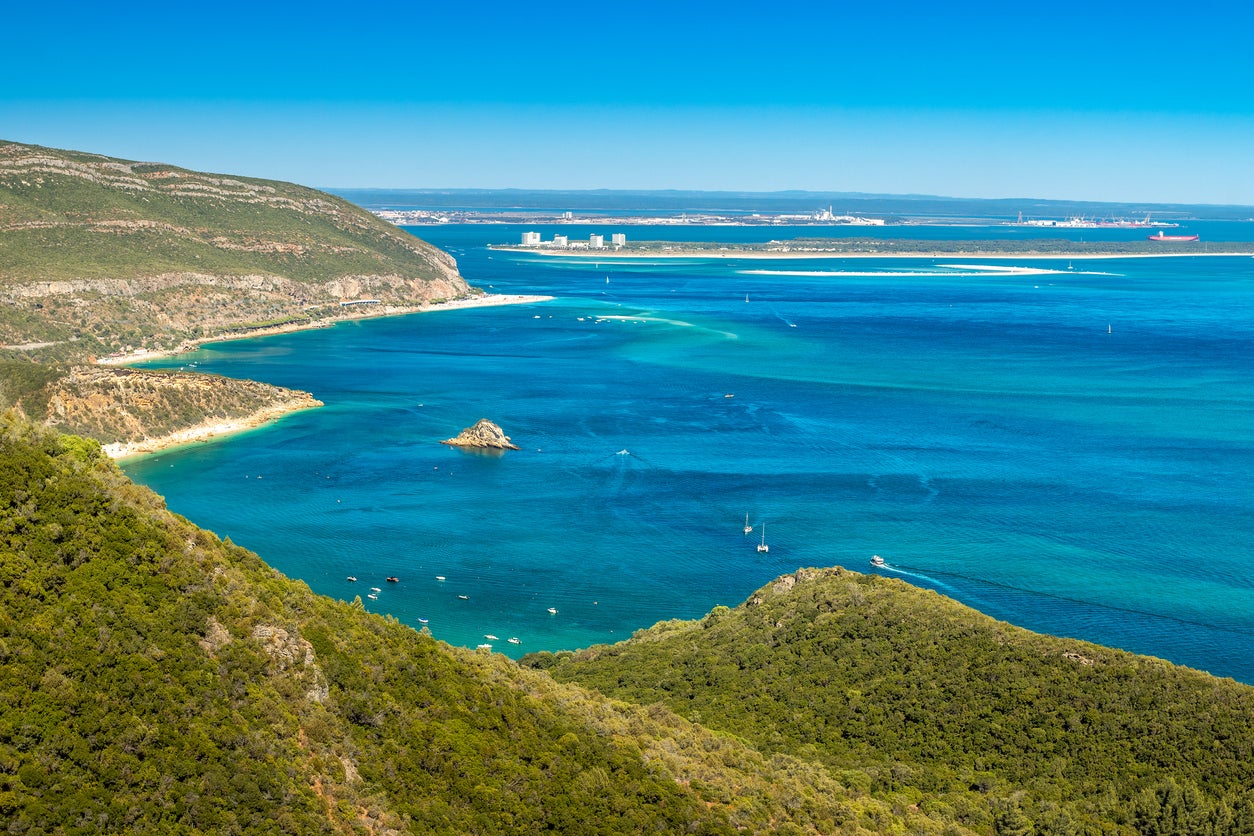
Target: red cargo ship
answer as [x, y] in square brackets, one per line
[1158, 236]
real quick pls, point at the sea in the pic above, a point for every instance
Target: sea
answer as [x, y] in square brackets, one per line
[1067, 446]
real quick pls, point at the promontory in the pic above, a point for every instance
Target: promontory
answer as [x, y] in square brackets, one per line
[103, 259]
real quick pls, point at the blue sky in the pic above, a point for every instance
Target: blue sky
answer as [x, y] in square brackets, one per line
[1147, 102]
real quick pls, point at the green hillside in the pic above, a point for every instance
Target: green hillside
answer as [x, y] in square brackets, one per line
[71, 215]
[158, 680]
[916, 697]
[99, 255]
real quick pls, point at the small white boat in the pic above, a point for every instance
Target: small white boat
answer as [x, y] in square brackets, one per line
[375, 589]
[489, 637]
[552, 610]
[373, 597]
[748, 528]
[513, 640]
[422, 621]
[439, 577]
[763, 547]
[352, 579]
[483, 647]
[876, 560]
[464, 597]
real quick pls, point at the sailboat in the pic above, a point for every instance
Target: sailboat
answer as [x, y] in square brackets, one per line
[763, 547]
[1108, 328]
[748, 528]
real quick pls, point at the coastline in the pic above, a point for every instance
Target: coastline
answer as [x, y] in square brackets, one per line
[483, 300]
[799, 254]
[219, 428]
[208, 430]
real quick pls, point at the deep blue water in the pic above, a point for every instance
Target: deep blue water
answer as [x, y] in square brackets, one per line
[980, 430]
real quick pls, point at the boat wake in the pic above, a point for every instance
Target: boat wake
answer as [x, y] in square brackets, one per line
[930, 581]
[678, 323]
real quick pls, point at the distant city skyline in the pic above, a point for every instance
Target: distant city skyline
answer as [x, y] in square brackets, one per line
[981, 100]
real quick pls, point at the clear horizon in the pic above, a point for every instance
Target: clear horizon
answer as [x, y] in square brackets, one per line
[983, 101]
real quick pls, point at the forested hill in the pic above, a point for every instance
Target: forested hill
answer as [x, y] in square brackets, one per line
[154, 679]
[913, 696]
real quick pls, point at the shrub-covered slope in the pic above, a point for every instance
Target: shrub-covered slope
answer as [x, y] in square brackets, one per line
[154, 679]
[97, 254]
[933, 702]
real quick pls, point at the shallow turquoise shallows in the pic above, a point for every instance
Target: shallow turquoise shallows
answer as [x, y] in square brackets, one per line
[1071, 451]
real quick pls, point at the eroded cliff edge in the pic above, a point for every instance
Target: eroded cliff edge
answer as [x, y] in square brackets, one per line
[105, 258]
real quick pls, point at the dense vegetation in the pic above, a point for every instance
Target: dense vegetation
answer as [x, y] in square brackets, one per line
[155, 679]
[915, 697]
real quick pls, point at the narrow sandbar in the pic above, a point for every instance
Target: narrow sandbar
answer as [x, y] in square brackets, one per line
[799, 254]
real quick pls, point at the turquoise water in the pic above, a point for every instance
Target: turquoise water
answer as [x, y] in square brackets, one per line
[980, 430]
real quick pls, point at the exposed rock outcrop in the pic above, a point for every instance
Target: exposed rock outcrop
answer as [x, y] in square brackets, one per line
[484, 435]
[146, 410]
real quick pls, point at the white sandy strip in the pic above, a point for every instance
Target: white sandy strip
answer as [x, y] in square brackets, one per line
[485, 300]
[203, 432]
[793, 254]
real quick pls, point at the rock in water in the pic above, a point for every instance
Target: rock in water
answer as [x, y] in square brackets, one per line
[484, 434]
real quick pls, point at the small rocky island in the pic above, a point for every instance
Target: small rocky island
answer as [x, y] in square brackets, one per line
[483, 435]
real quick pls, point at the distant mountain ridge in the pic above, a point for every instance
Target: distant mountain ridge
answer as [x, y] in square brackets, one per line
[792, 201]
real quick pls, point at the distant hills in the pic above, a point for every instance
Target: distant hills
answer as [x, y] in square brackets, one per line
[854, 203]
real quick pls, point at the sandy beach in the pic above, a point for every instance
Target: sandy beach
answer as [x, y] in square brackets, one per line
[206, 431]
[483, 300]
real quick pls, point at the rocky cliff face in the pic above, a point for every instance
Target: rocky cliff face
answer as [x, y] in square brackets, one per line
[484, 435]
[130, 405]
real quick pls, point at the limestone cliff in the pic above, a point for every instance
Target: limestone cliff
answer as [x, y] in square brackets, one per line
[483, 435]
[131, 406]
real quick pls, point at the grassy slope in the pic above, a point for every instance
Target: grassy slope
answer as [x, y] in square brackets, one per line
[935, 702]
[155, 679]
[64, 216]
